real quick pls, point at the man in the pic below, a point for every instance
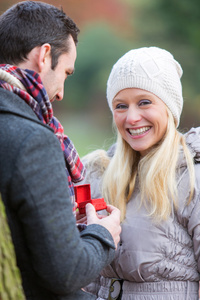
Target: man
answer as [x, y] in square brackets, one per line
[37, 54]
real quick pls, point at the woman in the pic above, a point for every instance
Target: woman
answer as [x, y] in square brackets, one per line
[152, 174]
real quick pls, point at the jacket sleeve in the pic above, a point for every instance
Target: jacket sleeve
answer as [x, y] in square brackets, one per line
[189, 216]
[194, 229]
[194, 217]
[63, 260]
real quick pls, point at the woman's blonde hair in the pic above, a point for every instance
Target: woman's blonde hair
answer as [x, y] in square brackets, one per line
[156, 174]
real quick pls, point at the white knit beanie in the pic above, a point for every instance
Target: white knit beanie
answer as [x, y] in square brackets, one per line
[152, 69]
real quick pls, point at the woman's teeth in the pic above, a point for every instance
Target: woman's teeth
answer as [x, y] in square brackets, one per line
[138, 131]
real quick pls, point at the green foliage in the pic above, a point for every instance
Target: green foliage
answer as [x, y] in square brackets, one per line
[97, 51]
[10, 280]
[183, 20]
[174, 26]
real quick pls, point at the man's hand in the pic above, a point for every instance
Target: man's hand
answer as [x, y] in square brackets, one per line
[111, 222]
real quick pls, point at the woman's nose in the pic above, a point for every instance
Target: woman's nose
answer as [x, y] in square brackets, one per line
[133, 115]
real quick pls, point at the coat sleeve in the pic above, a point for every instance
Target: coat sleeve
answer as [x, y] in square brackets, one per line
[194, 218]
[194, 229]
[189, 215]
[63, 260]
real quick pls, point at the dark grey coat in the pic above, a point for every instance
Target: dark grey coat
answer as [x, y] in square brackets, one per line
[54, 261]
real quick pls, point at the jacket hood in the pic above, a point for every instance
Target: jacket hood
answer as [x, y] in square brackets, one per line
[193, 142]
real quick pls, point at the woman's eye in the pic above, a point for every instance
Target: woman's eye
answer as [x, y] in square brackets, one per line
[144, 102]
[121, 106]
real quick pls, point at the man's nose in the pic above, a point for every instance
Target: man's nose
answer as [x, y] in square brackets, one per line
[60, 95]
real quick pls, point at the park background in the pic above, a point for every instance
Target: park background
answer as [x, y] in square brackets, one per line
[109, 28]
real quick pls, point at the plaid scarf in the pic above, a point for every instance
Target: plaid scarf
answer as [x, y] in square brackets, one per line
[28, 86]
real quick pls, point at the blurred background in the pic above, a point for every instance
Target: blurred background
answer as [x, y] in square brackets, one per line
[109, 28]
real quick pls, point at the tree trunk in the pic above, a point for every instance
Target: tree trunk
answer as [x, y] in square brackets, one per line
[10, 279]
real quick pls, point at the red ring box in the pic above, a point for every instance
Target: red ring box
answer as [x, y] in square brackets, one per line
[83, 196]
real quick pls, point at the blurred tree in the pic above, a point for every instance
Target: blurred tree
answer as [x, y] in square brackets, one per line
[174, 26]
[85, 12]
[98, 49]
[182, 19]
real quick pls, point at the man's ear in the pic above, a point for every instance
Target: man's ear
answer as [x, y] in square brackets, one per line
[44, 57]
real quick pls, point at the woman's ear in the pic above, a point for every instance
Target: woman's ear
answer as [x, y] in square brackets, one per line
[44, 57]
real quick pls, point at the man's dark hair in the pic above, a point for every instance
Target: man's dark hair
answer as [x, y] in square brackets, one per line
[30, 24]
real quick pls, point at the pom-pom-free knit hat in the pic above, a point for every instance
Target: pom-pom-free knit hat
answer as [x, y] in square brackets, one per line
[152, 69]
